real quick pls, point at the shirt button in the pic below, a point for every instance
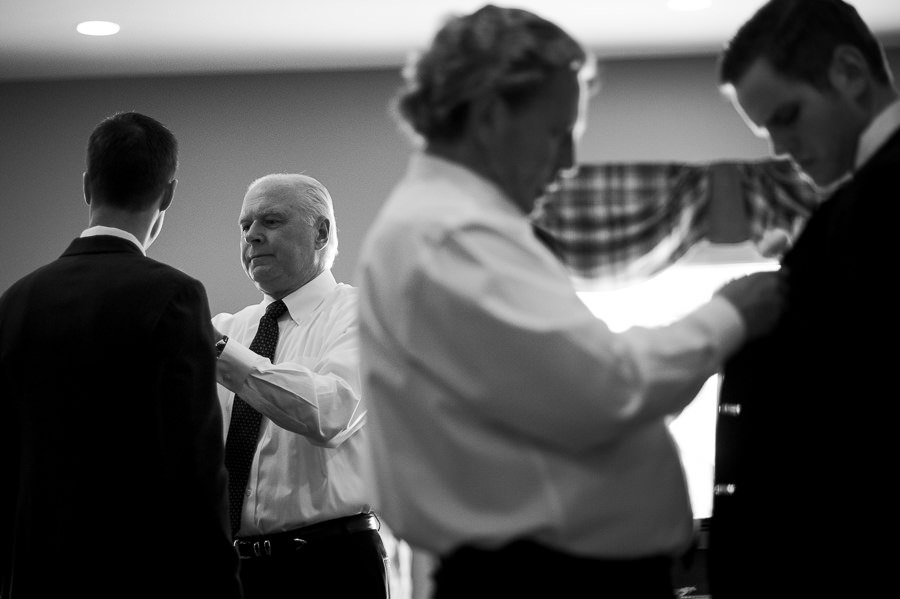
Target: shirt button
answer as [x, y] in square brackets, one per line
[724, 490]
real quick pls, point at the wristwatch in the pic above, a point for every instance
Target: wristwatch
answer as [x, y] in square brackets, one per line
[220, 345]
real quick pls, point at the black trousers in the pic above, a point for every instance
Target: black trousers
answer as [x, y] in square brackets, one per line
[527, 569]
[352, 565]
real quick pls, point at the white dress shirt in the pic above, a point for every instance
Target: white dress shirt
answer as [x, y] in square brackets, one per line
[878, 132]
[113, 232]
[500, 407]
[308, 459]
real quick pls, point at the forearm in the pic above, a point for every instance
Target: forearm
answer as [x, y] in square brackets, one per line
[316, 398]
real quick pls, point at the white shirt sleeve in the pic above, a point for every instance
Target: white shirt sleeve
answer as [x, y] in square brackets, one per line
[317, 397]
[560, 374]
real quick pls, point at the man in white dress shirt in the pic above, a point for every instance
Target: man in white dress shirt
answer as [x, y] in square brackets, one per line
[514, 436]
[305, 524]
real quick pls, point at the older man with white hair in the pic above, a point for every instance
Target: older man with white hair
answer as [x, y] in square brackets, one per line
[288, 369]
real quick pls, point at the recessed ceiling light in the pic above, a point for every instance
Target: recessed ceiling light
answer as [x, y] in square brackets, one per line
[97, 28]
[689, 4]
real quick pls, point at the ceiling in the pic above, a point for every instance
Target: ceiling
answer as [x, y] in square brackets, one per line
[164, 37]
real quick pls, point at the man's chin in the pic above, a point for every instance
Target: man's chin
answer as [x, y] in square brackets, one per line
[259, 274]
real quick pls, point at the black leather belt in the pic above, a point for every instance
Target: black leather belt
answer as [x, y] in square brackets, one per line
[293, 540]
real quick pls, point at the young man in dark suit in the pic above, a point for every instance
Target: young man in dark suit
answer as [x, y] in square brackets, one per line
[807, 416]
[112, 448]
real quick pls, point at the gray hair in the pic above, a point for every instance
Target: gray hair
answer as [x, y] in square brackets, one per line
[314, 200]
[507, 52]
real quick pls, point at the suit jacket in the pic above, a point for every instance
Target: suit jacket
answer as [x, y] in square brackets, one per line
[805, 449]
[111, 446]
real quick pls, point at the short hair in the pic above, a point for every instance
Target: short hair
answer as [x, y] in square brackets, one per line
[798, 38]
[507, 52]
[130, 159]
[315, 202]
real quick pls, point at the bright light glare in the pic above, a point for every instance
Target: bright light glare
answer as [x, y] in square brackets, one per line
[97, 28]
[666, 297]
[659, 301]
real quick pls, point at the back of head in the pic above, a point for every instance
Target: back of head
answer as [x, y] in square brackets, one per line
[507, 52]
[798, 38]
[130, 158]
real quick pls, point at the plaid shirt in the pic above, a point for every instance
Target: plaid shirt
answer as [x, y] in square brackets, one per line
[620, 223]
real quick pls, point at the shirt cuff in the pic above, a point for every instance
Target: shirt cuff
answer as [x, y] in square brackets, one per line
[234, 365]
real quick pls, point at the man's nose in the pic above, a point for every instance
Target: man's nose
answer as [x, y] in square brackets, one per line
[253, 234]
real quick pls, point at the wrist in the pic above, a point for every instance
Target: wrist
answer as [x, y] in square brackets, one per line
[220, 345]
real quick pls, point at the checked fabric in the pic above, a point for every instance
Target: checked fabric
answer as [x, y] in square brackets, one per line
[617, 224]
[243, 432]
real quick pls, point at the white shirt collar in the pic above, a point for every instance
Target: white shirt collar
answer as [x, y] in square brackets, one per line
[878, 132]
[424, 165]
[114, 232]
[303, 301]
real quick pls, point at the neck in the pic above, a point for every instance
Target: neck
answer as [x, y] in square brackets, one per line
[138, 224]
[463, 154]
[882, 98]
[481, 161]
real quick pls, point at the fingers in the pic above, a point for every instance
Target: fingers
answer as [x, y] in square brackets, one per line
[774, 243]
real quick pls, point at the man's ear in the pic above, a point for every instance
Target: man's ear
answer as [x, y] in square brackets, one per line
[86, 190]
[168, 194]
[489, 112]
[488, 118]
[323, 228]
[849, 72]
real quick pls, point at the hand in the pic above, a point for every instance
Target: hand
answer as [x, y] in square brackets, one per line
[760, 298]
[774, 243]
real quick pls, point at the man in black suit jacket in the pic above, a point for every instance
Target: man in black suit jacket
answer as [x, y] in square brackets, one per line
[807, 415]
[111, 446]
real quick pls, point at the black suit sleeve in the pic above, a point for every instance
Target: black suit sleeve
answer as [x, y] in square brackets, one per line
[195, 444]
[9, 464]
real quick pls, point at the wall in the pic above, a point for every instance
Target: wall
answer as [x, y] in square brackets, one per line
[335, 126]
[230, 129]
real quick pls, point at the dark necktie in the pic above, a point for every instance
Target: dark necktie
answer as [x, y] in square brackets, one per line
[243, 432]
